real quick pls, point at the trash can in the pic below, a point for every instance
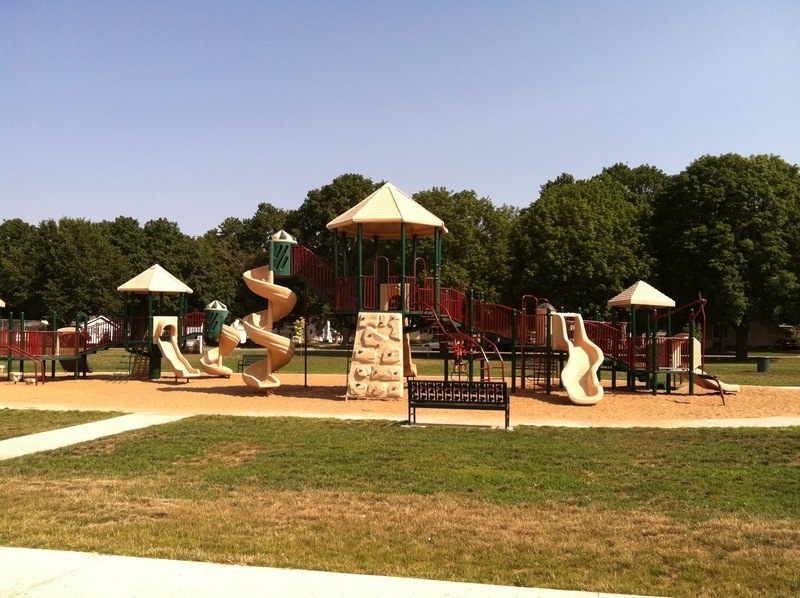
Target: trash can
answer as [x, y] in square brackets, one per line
[216, 313]
[763, 364]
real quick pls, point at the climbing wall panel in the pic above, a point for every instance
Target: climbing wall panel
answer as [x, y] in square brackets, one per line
[376, 369]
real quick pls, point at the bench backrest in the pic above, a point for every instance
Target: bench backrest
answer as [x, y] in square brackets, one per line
[458, 391]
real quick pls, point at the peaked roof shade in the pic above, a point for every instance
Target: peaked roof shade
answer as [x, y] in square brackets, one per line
[641, 294]
[283, 236]
[2, 303]
[154, 280]
[381, 214]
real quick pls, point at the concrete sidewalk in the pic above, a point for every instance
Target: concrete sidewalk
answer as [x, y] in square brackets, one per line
[53, 439]
[31, 573]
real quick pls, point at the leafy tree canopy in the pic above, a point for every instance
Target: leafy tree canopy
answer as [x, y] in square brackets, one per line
[579, 244]
[729, 226]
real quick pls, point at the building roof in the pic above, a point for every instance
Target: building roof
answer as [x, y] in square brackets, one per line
[641, 294]
[154, 280]
[381, 214]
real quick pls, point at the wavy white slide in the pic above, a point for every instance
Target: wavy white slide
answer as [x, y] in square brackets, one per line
[169, 347]
[258, 326]
[579, 376]
[211, 361]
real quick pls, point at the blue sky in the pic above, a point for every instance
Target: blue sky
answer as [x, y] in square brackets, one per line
[196, 111]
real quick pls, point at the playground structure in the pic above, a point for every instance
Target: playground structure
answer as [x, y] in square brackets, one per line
[42, 343]
[147, 338]
[466, 328]
[548, 348]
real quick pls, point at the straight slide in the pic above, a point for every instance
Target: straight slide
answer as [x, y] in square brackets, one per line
[169, 347]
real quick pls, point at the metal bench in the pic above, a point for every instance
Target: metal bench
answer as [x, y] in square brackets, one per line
[457, 394]
[249, 359]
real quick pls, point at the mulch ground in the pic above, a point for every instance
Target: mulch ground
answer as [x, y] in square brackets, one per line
[324, 397]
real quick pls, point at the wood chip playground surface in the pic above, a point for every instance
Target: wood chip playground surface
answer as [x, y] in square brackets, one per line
[324, 397]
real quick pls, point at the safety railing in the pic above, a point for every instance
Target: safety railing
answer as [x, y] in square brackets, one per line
[493, 318]
[315, 270]
[9, 351]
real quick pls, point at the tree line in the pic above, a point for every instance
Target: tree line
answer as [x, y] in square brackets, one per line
[727, 226]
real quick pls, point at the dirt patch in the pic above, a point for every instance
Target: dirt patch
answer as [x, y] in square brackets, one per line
[324, 397]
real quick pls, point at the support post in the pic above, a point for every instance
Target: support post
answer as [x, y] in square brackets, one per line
[403, 269]
[437, 268]
[691, 352]
[360, 270]
[376, 283]
[514, 315]
[548, 352]
[652, 326]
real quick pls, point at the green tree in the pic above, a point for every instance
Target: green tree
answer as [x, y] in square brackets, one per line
[475, 252]
[642, 183]
[20, 265]
[125, 234]
[308, 223]
[579, 244]
[80, 269]
[267, 220]
[729, 226]
[234, 247]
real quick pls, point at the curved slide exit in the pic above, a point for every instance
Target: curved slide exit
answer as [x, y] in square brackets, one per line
[211, 361]
[167, 326]
[705, 380]
[579, 376]
[258, 326]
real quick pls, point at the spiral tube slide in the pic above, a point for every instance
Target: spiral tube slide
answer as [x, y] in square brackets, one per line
[258, 326]
[211, 361]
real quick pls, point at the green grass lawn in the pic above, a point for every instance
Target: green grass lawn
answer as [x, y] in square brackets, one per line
[784, 367]
[784, 370]
[695, 512]
[116, 360]
[14, 423]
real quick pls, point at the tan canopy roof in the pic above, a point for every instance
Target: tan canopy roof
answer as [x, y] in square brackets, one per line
[154, 280]
[2, 303]
[641, 294]
[381, 214]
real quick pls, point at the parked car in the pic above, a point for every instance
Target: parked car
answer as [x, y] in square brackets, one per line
[788, 343]
[431, 347]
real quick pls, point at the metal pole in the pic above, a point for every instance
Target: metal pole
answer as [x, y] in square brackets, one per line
[653, 328]
[305, 337]
[514, 315]
[471, 330]
[376, 282]
[691, 352]
[402, 271]
[548, 352]
[437, 267]
[360, 270]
